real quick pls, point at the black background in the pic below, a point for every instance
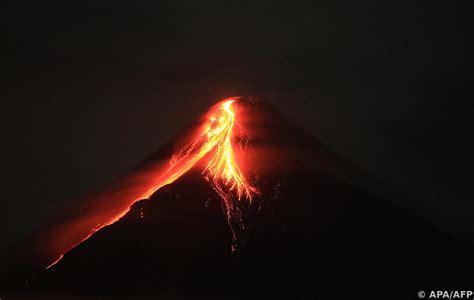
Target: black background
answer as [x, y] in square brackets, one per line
[93, 87]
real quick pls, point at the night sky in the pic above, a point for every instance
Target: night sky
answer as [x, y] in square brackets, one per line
[93, 87]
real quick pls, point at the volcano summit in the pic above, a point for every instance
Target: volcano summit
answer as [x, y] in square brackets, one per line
[244, 204]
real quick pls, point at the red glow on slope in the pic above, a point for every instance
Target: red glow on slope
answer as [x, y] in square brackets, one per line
[222, 171]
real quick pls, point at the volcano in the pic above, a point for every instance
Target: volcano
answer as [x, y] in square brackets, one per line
[244, 204]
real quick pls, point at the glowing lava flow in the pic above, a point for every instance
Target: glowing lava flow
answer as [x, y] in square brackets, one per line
[222, 170]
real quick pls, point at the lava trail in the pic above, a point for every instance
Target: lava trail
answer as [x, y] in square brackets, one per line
[215, 142]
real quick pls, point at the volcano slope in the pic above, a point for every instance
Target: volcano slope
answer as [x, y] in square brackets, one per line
[311, 232]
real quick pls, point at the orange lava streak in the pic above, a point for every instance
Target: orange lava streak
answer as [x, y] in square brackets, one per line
[222, 170]
[222, 166]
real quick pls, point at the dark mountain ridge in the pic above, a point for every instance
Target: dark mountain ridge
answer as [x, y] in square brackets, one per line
[311, 233]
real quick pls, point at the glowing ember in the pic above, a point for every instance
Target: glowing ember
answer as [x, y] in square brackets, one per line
[222, 171]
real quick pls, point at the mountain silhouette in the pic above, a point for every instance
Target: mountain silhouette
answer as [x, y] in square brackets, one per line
[312, 232]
